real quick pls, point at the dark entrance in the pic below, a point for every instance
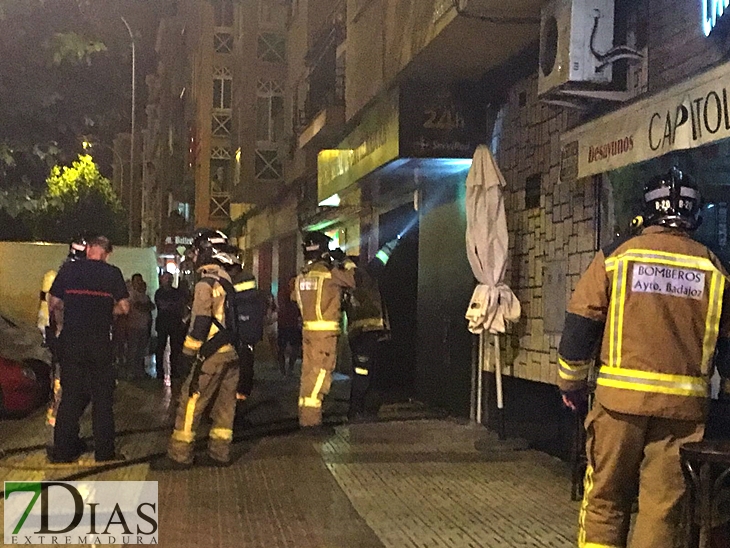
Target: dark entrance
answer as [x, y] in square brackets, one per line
[399, 289]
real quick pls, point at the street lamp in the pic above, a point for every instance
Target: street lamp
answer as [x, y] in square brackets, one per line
[131, 138]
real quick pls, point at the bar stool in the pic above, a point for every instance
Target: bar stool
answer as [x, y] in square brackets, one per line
[706, 467]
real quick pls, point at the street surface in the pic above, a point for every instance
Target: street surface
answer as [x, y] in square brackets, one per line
[413, 480]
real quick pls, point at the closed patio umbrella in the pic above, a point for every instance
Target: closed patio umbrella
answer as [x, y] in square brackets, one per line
[492, 303]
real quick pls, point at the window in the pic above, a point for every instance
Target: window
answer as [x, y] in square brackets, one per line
[271, 47]
[268, 165]
[222, 87]
[221, 126]
[532, 191]
[269, 111]
[223, 42]
[272, 13]
[223, 13]
[220, 170]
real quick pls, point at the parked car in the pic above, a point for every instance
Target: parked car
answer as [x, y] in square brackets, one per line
[25, 366]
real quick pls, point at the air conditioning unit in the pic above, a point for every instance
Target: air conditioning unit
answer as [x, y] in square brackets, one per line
[575, 36]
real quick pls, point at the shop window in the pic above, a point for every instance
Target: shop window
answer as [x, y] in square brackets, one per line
[223, 42]
[268, 165]
[271, 47]
[533, 191]
[269, 112]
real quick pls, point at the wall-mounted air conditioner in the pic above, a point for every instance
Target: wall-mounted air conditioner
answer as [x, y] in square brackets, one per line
[575, 38]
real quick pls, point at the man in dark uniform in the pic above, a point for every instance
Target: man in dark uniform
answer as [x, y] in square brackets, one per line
[88, 294]
[171, 305]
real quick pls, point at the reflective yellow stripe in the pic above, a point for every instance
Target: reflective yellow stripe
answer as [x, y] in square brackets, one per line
[225, 434]
[185, 437]
[319, 383]
[367, 322]
[310, 402]
[623, 270]
[665, 257]
[712, 321]
[318, 302]
[319, 274]
[361, 371]
[648, 381]
[245, 286]
[587, 488]
[218, 291]
[189, 413]
[573, 372]
[193, 344]
[321, 325]
[613, 318]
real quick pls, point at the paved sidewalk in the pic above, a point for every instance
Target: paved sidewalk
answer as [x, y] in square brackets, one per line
[398, 483]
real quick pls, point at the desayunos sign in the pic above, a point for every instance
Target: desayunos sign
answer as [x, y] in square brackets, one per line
[69, 512]
[688, 115]
[712, 11]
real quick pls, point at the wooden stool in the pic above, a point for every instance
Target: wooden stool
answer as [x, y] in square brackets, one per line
[706, 467]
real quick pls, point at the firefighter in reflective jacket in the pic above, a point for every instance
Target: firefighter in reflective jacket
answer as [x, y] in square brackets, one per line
[214, 370]
[367, 326]
[657, 305]
[318, 292]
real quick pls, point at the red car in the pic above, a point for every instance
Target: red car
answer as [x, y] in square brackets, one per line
[24, 369]
[23, 386]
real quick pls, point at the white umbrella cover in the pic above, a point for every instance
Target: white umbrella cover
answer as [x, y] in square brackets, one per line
[493, 303]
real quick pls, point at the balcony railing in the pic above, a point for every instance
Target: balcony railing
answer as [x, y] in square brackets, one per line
[326, 80]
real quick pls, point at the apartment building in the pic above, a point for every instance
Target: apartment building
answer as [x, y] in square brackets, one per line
[216, 137]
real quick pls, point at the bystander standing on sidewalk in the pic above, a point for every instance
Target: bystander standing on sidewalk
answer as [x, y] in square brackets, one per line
[171, 303]
[138, 327]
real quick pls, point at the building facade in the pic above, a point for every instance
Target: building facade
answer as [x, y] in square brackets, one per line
[215, 138]
[383, 103]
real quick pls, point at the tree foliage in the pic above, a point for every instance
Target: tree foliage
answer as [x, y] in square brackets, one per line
[79, 199]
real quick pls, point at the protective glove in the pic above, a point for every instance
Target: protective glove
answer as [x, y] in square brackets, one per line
[338, 255]
[576, 400]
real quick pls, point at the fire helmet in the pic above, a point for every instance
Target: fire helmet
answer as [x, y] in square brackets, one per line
[315, 245]
[672, 199]
[212, 247]
[77, 249]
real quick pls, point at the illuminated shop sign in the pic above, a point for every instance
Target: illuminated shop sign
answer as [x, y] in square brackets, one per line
[712, 11]
[691, 114]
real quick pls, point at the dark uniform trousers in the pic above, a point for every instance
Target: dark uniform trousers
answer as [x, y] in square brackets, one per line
[85, 379]
[218, 380]
[624, 451]
[245, 378]
[364, 348]
[318, 363]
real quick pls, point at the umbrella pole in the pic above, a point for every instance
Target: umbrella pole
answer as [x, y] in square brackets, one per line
[479, 377]
[500, 395]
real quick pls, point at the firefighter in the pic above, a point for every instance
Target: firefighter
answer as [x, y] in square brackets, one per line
[244, 285]
[367, 326]
[213, 370]
[655, 304]
[318, 292]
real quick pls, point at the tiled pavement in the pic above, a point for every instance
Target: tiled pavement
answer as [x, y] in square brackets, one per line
[399, 483]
